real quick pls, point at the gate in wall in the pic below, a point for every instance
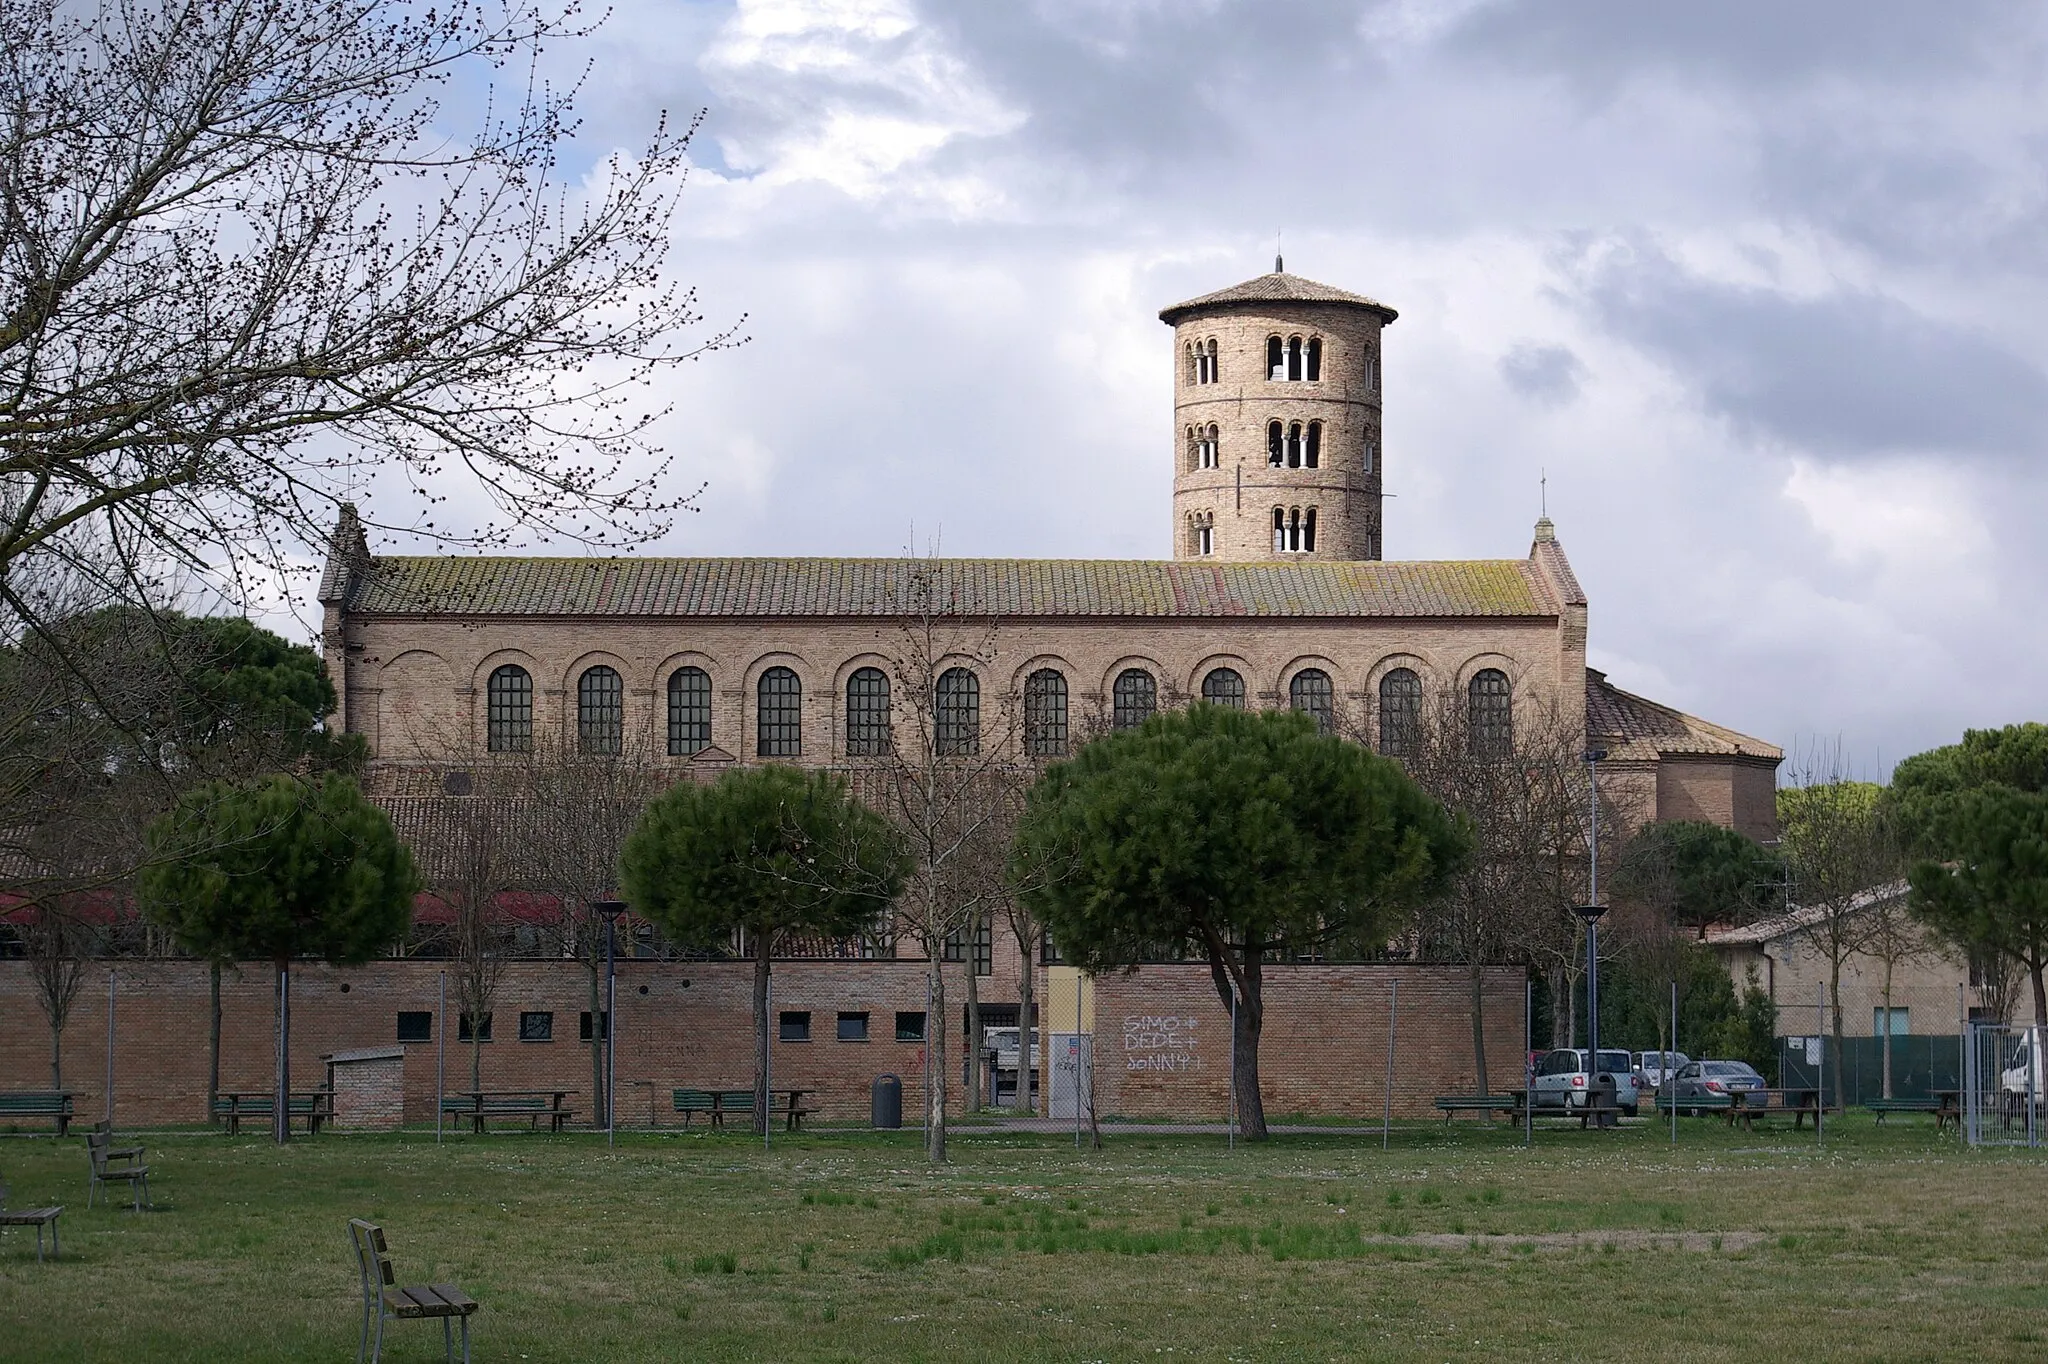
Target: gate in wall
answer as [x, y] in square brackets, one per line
[2002, 1085]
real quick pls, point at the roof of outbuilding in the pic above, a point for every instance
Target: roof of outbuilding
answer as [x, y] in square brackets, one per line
[1636, 728]
[1115, 588]
[1277, 287]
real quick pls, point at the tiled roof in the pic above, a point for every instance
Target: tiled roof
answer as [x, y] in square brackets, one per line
[1801, 918]
[1278, 287]
[1637, 729]
[1117, 588]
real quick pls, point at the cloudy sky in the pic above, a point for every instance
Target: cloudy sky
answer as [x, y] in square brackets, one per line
[1756, 284]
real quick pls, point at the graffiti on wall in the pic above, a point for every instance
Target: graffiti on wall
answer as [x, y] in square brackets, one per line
[1166, 1043]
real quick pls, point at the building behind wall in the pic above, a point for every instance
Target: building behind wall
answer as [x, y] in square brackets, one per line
[1276, 595]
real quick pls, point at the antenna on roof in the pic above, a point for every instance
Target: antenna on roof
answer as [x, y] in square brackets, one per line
[1543, 493]
[1277, 266]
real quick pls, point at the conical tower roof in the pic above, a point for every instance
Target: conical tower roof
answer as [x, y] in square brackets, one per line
[1277, 287]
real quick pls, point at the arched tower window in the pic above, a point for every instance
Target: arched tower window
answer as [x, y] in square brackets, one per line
[689, 711]
[1400, 713]
[1294, 359]
[1310, 693]
[1045, 713]
[1372, 451]
[1490, 714]
[1224, 687]
[958, 703]
[1312, 365]
[600, 710]
[508, 710]
[1133, 698]
[1276, 358]
[1202, 533]
[1208, 447]
[867, 713]
[1276, 444]
[1294, 531]
[1372, 370]
[1205, 361]
[779, 715]
[1312, 446]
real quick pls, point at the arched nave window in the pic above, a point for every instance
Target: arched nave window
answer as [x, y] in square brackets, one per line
[508, 710]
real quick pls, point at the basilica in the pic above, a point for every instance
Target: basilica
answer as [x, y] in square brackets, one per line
[1276, 596]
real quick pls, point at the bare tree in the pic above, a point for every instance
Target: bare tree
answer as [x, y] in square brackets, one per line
[579, 809]
[947, 772]
[1839, 845]
[57, 945]
[474, 865]
[247, 258]
[1889, 931]
[1523, 795]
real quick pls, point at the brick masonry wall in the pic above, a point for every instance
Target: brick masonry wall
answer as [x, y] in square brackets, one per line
[369, 1096]
[689, 1024]
[1162, 1040]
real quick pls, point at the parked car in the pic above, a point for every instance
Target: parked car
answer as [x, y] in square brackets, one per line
[1712, 1079]
[1563, 1079]
[1653, 1068]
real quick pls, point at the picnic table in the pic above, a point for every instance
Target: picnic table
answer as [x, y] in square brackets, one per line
[716, 1104]
[38, 1103]
[1516, 1104]
[481, 1105]
[1747, 1105]
[314, 1105]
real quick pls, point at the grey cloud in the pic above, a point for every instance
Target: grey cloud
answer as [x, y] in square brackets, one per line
[1743, 42]
[1842, 374]
[1548, 374]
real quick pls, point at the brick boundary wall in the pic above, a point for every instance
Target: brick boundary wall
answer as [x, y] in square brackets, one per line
[1162, 1040]
[688, 1024]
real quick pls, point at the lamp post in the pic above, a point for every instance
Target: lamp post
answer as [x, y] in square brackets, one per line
[610, 910]
[1591, 912]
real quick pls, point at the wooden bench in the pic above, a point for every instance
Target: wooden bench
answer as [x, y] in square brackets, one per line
[39, 1104]
[313, 1106]
[383, 1300]
[1450, 1105]
[31, 1217]
[1694, 1107]
[1883, 1108]
[111, 1162]
[533, 1105]
[690, 1102]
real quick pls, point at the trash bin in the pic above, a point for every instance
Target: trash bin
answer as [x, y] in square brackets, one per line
[1602, 1101]
[886, 1107]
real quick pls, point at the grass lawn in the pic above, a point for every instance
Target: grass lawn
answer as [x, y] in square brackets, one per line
[1890, 1243]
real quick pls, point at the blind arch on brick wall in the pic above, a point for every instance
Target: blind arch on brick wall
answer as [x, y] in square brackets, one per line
[867, 713]
[600, 711]
[778, 714]
[508, 710]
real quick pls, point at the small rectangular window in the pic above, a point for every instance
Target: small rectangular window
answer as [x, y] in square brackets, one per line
[536, 1025]
[415, 1025]
[853, 1027]
[1899, 1025]
[795, 1025]
[583, 1033]
[909, 1025]
[478, 1026]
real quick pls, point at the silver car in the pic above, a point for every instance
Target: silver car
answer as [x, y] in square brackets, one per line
[1712, 1080]
[1563, 1080]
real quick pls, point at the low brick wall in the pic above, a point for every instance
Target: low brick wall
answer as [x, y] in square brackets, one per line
[689, 1024]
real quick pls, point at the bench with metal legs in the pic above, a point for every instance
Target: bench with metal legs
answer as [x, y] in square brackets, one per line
[383, 1300]
[31, 1217]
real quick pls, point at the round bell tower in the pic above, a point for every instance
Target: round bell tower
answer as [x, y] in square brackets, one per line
[1276, 422]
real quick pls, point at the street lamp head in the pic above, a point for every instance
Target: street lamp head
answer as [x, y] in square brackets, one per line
[1596, 755]
[1590, 913]
[610, 909]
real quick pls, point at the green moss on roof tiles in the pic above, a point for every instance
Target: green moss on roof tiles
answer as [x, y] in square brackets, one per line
[422, 585]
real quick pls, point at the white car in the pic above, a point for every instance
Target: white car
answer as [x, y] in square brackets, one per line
[1653, 1068]
[1563, 1080]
